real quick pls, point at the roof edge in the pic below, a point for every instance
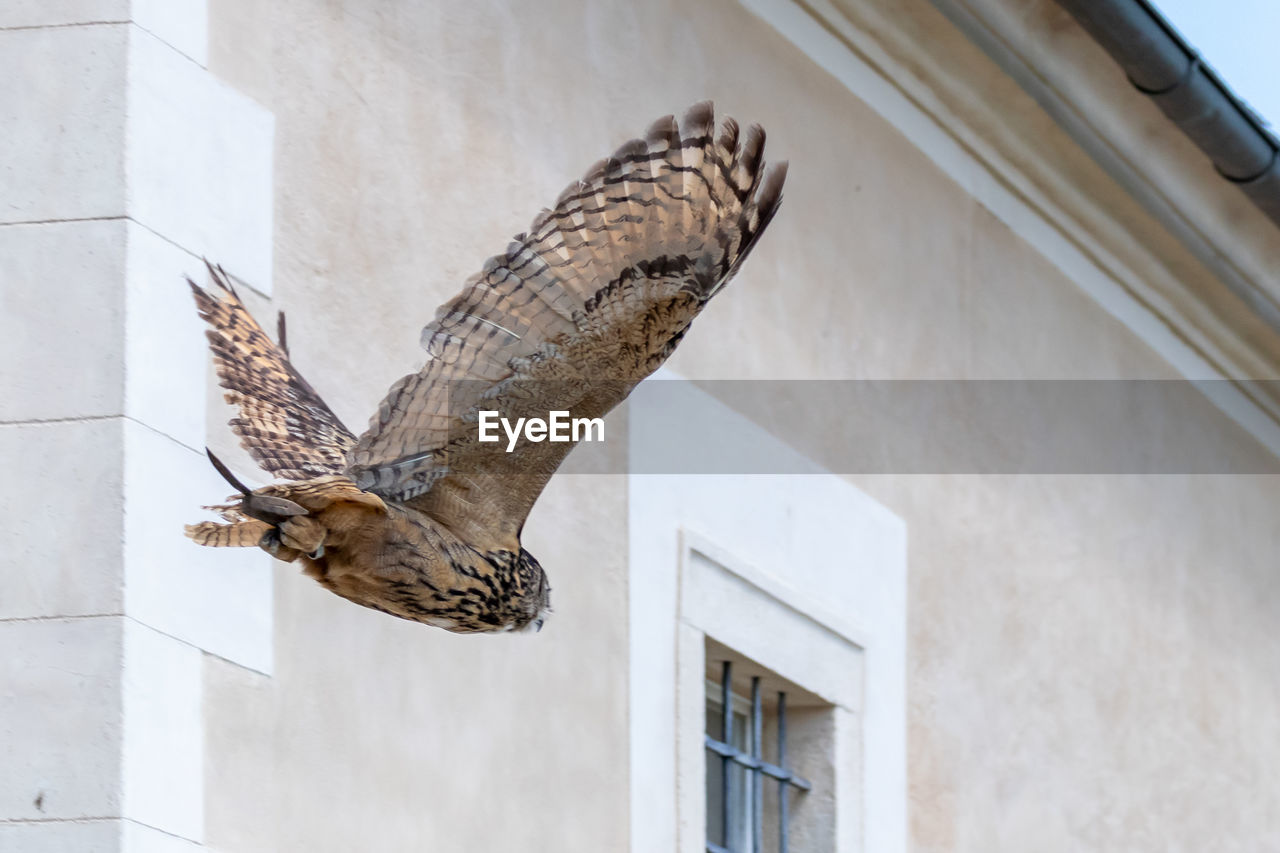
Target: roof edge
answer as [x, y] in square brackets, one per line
[1163, 66]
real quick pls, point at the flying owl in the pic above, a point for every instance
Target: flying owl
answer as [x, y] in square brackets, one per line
[418, 517]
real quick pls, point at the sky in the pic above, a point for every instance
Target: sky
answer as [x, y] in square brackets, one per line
[1239, 39]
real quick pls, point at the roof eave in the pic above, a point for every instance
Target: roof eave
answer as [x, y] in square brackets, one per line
[1161, 65]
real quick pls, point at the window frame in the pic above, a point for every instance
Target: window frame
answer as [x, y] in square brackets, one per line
[781, 568]
[729, 603]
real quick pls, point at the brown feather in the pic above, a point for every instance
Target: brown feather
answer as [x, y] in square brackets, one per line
[418, 518]
[586, 304]
[283, 423]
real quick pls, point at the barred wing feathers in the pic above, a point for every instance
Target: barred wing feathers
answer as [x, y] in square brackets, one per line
[283, 422]
[577, 311]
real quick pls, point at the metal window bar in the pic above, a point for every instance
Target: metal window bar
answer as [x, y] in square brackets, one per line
[757, 782]
[757, 767]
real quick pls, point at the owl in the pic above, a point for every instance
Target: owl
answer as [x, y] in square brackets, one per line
[421, 516]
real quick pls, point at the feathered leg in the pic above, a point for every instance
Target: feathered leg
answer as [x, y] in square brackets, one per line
[286, 519]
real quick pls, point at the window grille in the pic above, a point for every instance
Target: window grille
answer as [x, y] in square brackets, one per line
[743, 771]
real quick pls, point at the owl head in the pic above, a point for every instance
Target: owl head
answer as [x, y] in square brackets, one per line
[536, 604]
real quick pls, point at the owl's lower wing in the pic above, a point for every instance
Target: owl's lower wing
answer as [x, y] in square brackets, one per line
[571, 317]
[283, 422]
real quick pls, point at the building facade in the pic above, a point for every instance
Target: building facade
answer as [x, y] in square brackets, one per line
[999, 657]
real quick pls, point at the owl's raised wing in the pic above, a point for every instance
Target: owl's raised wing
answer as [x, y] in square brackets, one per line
[571, 317]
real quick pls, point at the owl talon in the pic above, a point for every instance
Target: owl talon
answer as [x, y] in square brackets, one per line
[303, 534]
[273, 543]
[270, 542]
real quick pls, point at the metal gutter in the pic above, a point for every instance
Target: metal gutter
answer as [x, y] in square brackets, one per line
[1164, 67]
[1121, 170]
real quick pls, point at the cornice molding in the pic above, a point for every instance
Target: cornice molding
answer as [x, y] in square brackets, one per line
[912, 65]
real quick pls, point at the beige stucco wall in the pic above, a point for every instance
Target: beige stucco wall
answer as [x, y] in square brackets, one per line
[1091, 659]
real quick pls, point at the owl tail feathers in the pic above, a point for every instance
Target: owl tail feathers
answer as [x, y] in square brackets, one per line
[286, 519]
[249, 520]
[237, 534]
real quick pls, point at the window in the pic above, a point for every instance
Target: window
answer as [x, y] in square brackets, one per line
[739, 773]
[740, 558]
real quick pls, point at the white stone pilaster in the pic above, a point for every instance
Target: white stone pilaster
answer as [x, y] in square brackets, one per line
[126, 163]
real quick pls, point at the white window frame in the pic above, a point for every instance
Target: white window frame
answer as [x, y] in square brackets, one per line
[774, 567]
[734, 604]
